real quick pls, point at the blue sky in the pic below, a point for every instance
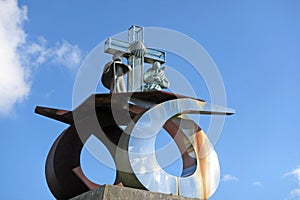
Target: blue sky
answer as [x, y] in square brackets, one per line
[255, 44]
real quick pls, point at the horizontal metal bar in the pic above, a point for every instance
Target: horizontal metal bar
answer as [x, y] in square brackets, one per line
[113, 46]
[57, 114]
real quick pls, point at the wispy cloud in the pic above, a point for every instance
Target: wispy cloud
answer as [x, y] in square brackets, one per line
[229, 177]
[18, 55]
[49, 94]
[295, 173]
[295, 193]
[62, 53]
[257, 184]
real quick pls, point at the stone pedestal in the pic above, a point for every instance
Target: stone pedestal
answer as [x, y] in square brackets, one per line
[111, 192]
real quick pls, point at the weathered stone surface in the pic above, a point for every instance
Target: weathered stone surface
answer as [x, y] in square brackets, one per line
[111, 192]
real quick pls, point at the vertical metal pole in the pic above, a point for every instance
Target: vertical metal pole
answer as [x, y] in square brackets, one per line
[135, 76]
[113, 90]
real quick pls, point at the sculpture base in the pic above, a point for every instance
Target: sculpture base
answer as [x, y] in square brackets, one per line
[111, 192]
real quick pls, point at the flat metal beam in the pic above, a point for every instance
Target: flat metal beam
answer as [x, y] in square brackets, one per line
[113, 46]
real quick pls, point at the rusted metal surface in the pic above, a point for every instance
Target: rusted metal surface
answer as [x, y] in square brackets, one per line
[102, 102]
[63, 172]
[64, 116]
[64, 156]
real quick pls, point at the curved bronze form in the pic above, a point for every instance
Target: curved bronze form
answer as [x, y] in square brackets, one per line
[166, 110]
[64, 156]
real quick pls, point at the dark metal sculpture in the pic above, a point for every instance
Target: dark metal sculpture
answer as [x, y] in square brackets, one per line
[63, 173]
[142, 114]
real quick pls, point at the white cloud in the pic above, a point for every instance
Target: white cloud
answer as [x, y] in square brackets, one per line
[18, 55]
[296, 174]
[228, 177]
[257, 184]
[14, 85]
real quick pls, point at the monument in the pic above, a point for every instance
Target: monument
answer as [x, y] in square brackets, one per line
[129, 117]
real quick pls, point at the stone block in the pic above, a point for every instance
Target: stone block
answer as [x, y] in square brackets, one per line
[111, 192]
